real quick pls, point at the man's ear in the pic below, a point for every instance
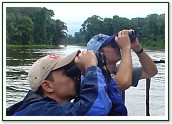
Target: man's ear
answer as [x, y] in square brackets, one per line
[47, 86]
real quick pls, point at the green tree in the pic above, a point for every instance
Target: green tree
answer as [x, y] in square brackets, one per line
[93, 25]
[20, 31]
[150, 30]
[33, 25]
[120, 24]
[107, 26]
[59, 31]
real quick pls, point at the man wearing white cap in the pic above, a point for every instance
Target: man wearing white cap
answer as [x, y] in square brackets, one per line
[52, 90]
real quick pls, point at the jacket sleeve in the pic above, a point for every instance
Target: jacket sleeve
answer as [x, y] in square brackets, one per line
[118, 107]
[102, 105]
[89, 98]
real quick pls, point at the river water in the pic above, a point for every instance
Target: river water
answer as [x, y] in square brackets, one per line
[18, 62]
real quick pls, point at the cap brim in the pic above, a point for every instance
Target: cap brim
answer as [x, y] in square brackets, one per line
[108, 40]
[66, 60]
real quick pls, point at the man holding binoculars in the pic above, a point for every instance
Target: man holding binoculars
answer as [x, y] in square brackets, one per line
[52, 89]
[118, 47]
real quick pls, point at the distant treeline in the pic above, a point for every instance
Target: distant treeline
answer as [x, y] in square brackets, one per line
[150, 30]
[33, 25]
[30, 25]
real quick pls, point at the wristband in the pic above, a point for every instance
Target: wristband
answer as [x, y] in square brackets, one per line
[139, 52]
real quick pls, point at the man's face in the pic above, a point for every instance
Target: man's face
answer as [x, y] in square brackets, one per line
[112, 54]
[63, 85]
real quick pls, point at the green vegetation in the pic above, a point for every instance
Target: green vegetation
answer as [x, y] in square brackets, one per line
[34, 26]
[150, 30]
[32, 46]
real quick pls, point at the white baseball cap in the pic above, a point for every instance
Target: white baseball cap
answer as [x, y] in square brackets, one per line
[43, 66]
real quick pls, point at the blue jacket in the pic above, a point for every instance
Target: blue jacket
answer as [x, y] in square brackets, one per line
[118, 107]
[94, 100]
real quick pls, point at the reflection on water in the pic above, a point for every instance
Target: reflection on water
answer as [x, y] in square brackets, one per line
[19, 61]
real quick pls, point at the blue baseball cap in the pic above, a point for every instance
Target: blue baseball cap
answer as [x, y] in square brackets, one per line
[99, 41]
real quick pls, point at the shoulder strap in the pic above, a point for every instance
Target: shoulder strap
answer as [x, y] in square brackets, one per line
[12, 109]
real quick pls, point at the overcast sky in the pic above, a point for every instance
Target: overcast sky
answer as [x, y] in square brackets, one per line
[74, 14]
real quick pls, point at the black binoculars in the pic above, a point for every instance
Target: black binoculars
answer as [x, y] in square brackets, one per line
[132, 35]
[73, 71]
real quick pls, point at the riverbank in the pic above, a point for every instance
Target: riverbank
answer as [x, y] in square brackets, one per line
[57, 47]
[153, 45]
[33, 46]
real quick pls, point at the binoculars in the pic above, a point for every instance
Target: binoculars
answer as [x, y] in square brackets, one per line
[132, 35]
[73, 70]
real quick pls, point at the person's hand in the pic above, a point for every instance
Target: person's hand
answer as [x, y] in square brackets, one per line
[123, 40]
[135, 45]
[85, 59]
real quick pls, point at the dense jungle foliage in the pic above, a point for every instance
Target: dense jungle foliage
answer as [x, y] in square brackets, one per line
[34, 26]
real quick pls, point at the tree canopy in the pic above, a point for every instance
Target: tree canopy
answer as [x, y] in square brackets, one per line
[33, 25]
[150, 30]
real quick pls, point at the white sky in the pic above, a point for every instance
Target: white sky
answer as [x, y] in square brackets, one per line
[74, 14]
